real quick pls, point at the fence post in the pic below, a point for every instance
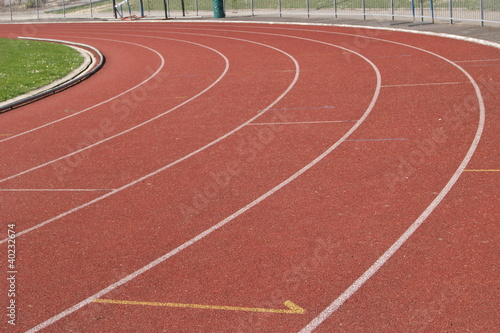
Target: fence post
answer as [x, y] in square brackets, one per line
[364, 9]
[279, 3]
[335, 7]
[413, 9]
[197, 8]
[451, 11]
[482, 12]
[432, 10]
[165, 7]
[37, 12]
[218, 8]
[421, 10]
[91, 9]
[307, 4]
[392, 9]
[10, 6]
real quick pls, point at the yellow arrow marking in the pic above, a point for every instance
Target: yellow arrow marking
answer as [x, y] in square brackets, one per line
[292, 307]
[485, 170]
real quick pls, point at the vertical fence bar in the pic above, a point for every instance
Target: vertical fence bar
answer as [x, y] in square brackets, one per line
[91, 9]
[432, 10]
[481, 5]
[64, 8]
[166, 7]
[392, 9]
[197, 8]
[253, 7]
[10, 5]
[413, 9]
[307, 5]
[421, 10]
[451, 11]
[37, 12]
[279, 4]
[364, 9]
[335, 7]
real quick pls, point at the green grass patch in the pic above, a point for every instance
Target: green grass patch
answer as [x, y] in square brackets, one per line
[28, 65]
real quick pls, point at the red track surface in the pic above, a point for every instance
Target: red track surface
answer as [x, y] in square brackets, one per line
[311, 149]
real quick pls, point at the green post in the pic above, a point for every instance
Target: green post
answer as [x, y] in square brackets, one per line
[218, 8]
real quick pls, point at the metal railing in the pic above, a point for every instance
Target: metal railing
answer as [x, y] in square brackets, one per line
[452, 11]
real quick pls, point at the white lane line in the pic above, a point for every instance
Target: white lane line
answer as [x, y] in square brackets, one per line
[98, 104]
[482, 65]
[54, 189]
[477, 60]
[133, 127]
[297, 70]
[372, 140]
[327, 312]
[407, 234]
[423, 84]
[306, 108]
[239, 212]
[304, 122]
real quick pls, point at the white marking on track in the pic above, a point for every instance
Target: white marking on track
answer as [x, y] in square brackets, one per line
[240, 211]
[477, 60]
[327, 312]
[188, 155]
[98, 104]
[407, 234]
[133, 127]
[423, 84]
[304, 122]
[54, 189]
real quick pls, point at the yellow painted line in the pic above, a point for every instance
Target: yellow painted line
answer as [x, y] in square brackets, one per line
[485, 170]
[292, 307]
[6, 134]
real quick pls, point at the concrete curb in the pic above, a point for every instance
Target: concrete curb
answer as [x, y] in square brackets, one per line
[89, 66]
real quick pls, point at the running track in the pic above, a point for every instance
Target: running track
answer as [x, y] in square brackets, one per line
[352, 172]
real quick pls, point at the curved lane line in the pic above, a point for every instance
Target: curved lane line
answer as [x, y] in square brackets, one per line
[234, 215]
[133, 127]
[418, 222]
[297, 70]
[101, 103]
[407, 234]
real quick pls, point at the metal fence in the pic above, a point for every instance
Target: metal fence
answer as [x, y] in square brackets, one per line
[473, 11]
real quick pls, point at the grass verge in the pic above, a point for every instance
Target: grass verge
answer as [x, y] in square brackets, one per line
[28, 65]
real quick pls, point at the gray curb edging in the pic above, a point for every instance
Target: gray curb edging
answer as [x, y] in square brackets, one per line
[89, 66]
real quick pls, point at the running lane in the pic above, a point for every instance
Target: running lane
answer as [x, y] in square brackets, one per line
[308, 241]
